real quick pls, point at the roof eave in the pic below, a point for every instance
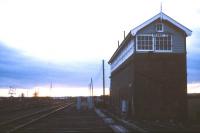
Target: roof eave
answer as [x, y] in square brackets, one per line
[164, 17]
[119, 48]
[185, 29]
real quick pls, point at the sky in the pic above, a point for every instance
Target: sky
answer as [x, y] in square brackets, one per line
[65, 41]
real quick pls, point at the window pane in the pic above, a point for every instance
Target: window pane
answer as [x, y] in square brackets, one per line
[165, 46]
[142, 46]
[139, 46]
[163, 42]
[150, 47]
[159, 27]
[144, 42]
[169, 47]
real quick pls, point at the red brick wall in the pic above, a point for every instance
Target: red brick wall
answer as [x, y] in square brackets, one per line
[158, 86]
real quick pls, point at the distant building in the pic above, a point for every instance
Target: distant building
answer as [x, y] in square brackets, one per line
[148, 71]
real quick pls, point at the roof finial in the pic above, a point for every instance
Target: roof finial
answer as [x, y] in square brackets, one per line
[161, 7]
[161, 15]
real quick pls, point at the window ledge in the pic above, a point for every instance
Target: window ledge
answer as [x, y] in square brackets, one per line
[163, 51]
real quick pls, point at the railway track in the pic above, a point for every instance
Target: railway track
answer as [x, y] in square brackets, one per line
[69, 120]
[12, 108]
[18, 123]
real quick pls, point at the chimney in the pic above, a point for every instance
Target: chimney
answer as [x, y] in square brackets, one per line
[118, 43]
[124, 34]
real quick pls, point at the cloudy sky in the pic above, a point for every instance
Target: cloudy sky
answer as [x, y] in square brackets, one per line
[64, 41]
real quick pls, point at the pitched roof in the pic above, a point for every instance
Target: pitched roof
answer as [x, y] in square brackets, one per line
[164, 17]
[119, 48]
[134, 31]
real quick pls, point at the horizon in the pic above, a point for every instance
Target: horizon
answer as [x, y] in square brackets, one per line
[64, 43]
[193, 88]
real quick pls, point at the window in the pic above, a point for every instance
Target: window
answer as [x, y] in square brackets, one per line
[159, 27]
[163, 42]
[145, 42]
[159, 42]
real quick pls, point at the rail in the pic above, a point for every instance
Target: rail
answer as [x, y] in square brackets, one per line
[13, 125]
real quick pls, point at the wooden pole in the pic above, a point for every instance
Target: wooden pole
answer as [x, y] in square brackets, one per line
[103, 83]
[92, 86]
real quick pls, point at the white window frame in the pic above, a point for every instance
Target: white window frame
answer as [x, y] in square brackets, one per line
[162, 27]
[164, 51]
[145, 49]
[153, 43]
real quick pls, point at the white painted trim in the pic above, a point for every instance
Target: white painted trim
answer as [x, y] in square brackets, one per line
[153, 44]
[163, 51]
[145, 34]
[172, 43]
[164, 17]
[153, 39]
[123, 55]
[162, 28]
[140, 50]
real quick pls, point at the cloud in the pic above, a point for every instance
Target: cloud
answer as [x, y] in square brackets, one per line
[193, 87]
[21, 71]
[58, 32]
[193, 54]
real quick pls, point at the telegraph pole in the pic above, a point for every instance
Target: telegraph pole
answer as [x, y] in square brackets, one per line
[90, 98]
[92, 86]
[50, 89]
[89, 89]
[103, 83]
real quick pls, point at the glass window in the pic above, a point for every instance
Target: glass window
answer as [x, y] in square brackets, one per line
[163, 42]
[145, 42]
[159, 27]
[159, 42]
